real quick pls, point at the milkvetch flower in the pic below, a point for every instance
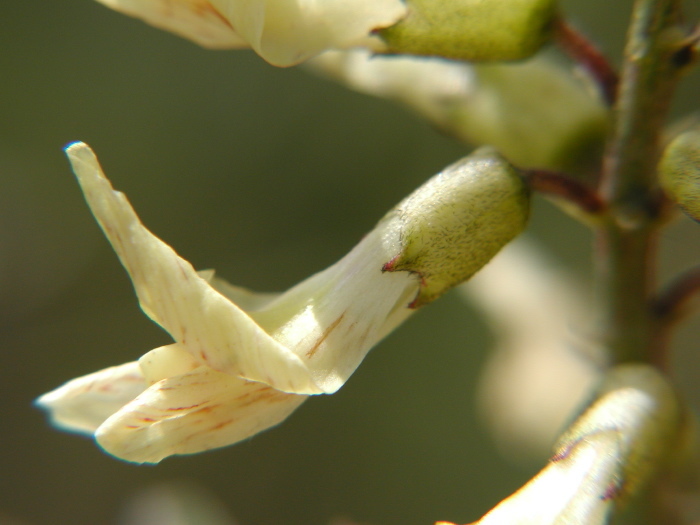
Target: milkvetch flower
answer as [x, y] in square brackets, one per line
[543, 367]
[536, 112]
[283, 32]
[632, 429]
[242, 362]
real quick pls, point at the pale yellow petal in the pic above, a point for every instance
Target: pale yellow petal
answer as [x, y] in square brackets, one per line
[607, 455]
[196, 20]
[166, 361]
[433, 87]
[246, 299]
[84, 403]
[283, 32]
[287, 32]
[535, 113]
[200, 410]
[576, 488]
[213, 329]
[332, 319]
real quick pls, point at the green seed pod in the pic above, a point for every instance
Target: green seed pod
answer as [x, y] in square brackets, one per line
[472, 29]
[455, 223]
[679, 172]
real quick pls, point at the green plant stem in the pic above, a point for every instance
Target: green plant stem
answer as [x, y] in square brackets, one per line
[624, 276]
[626, 240]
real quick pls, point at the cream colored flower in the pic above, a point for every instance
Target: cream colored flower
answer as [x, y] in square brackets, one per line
[536, 113]
[230, 373]
[242, 362]
[544, 364]
[283, 32]
[632, 429]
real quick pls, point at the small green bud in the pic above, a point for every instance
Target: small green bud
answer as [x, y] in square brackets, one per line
[472, 29]
[679, 172]
[455, 223]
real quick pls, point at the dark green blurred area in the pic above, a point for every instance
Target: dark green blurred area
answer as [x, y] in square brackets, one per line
[267, 175]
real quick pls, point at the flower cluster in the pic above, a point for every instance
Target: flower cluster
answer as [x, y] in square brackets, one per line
[242, 362]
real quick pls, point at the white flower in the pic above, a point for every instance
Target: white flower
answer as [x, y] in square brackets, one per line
[283, 32]
[242, 362]
[535, 112]
[230, 373]
[610, 452]
[543, 366]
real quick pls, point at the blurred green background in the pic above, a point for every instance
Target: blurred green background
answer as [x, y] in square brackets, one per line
[267, 175]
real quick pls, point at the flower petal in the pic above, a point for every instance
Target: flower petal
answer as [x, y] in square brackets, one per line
[287, 32]
[633, 428]
[248, 300]
[332, 319]
[212, 329]
[84, 403]
[535, 112]
[197, 411]
[572, 489]
[196, 20]
[166, 361]
[283, 32]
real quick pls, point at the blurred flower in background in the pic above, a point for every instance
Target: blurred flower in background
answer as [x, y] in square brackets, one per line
[175, 503]
[546, 359]
[535, 112]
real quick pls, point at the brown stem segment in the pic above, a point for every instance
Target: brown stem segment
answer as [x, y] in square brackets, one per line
[626, 244]
[671, 304]
[559, 185]
[668, 309]
[586, 54]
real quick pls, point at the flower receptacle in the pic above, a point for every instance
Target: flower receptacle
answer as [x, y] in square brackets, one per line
[454, 224]
[472, 29]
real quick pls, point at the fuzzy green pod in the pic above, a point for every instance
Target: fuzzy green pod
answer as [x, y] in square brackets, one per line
[474, 30]
[455, 223]
[679, 172]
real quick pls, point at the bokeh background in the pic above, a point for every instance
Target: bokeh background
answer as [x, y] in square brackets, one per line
[267, 175]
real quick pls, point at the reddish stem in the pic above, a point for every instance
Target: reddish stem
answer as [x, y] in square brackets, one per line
[671, 304]
[564, 187]
[586, 54]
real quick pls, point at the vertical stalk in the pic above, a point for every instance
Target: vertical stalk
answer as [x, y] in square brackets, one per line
[626, 242]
